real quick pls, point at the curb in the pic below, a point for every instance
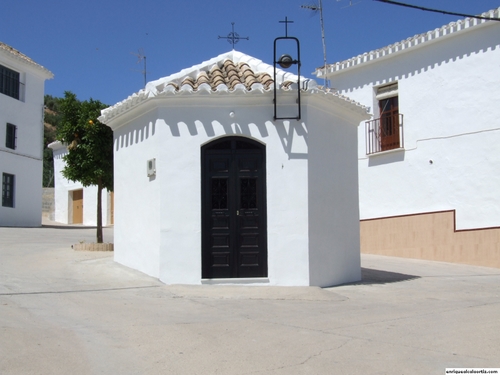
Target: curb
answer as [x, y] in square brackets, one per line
[93, 247]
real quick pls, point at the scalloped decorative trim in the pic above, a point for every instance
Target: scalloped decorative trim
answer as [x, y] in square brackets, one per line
[410, 43]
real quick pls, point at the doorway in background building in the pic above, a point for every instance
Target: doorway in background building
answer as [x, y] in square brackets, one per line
[77, 206]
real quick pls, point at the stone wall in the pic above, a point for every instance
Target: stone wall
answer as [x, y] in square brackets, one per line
[48, 203]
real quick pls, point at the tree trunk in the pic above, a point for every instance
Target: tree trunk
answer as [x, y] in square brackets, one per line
[99, 212]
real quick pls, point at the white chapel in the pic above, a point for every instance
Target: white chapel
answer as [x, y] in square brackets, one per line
[211, 188]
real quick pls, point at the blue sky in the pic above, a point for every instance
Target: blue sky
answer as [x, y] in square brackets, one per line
[89, 45]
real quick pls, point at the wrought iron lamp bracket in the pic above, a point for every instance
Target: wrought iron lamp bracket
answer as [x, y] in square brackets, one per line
[285, 62]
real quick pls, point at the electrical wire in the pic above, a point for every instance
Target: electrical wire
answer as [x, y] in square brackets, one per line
[437, 11]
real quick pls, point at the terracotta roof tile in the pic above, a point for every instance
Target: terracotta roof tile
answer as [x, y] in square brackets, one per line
[229, 74]
[232, 72]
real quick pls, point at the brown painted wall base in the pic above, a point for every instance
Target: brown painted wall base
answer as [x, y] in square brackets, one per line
[431, 236]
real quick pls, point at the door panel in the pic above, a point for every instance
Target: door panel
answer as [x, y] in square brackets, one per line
[389, 124]
[234, 229]
[219, 230]
[77, 206]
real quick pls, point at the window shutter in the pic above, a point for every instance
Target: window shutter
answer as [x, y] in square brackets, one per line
[10, 139]
[388, 91]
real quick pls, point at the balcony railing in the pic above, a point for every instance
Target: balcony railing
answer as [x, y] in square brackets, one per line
[384, 133]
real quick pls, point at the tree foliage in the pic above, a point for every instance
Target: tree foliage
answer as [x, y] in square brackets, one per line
[51, 120]
[51, 103]
[90, 143]
[48, 168]
[90, 147]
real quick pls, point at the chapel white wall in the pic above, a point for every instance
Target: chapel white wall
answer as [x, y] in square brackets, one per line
[334, 244]
[449, 94]
[183, 134]
[137, 196]
[158, 220]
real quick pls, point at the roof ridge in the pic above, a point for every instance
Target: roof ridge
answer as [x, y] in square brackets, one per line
[236, 57]
[16, 54]
[243, 75]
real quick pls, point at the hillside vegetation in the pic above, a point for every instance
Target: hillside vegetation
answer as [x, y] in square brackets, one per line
[51, 120]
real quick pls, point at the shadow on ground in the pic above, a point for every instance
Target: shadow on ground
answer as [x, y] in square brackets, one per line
[71, 226]
[372, 276]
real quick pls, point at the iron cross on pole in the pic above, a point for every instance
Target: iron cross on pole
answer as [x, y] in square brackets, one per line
[286, 22]
[233, 37]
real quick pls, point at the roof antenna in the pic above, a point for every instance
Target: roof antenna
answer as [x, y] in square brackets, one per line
[350, 3]
[319, 8]
[141, 56]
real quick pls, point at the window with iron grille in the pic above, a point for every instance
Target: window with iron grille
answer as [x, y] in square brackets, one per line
[389, 123]
[9, 82]
[11, 136]
[7, 190]
[385, 132]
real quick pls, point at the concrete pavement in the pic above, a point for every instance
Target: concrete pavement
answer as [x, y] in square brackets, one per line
[70, 312]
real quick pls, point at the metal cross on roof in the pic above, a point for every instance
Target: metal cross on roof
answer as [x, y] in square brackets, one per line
[233, 37]
[286, 22]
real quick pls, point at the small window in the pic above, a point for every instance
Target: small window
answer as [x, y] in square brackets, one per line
[7, 190]
[9, 82]
[10, 137]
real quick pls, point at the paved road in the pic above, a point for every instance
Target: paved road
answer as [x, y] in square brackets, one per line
[69, 312]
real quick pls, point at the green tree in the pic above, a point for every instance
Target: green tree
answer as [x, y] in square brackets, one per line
[48, 168]
[51, 121]
[51, 103]
[90, 147]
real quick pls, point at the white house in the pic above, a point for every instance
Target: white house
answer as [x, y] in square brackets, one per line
[21, 137]
[429, 159]
[75, 204]
[211, 189]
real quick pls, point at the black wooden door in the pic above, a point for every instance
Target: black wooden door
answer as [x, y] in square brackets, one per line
[234, 231]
